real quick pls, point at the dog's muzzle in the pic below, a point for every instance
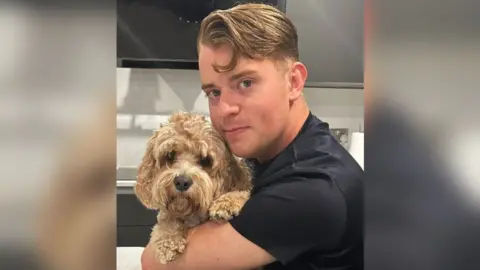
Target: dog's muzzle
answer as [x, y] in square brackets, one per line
[182, 183]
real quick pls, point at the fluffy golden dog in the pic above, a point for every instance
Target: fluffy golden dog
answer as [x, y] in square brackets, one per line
[189, 175]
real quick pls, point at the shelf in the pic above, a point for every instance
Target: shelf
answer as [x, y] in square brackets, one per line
[338, 85]
[135, 132]
[157, 64]
[126, 183]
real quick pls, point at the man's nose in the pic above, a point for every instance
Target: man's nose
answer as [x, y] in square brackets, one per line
[228, 105]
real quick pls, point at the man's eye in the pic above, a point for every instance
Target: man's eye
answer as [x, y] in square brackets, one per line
[214, 93]
[246, 84]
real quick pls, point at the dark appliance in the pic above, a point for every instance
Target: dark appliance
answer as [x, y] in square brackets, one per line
[163, 33]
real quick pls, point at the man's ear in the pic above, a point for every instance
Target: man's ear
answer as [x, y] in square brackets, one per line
[146, 174]
[298, 76]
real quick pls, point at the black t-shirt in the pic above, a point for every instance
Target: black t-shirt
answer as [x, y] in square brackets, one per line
[306, 207]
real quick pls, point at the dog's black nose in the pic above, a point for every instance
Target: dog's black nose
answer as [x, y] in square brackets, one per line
[182, 183]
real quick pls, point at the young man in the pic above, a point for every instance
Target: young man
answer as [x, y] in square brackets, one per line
[306, 208]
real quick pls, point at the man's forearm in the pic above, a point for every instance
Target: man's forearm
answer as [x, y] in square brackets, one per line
[212, 246]
[149, 261]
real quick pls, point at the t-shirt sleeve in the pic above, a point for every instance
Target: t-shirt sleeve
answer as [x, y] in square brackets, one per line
[289, 219]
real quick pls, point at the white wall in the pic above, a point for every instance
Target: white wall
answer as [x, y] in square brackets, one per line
[146, 97]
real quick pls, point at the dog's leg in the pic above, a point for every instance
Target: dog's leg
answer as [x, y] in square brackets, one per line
[228, 205]
[169, 240]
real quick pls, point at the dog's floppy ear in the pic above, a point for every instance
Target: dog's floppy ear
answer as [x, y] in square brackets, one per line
[241, 174]
[146, 174]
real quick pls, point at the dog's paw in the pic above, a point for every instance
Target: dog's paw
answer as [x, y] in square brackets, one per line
[226, 207]
[168, 250]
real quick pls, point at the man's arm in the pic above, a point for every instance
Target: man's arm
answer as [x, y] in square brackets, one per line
[213, 246]
[280, 224]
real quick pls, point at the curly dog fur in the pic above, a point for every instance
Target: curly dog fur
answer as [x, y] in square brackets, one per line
[189, 175]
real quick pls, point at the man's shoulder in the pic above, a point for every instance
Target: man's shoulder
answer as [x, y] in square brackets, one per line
[315, 157]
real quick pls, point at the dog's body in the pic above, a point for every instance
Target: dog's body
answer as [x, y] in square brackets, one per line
[189, 174]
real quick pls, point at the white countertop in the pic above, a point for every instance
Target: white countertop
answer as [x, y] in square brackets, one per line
[126, 183]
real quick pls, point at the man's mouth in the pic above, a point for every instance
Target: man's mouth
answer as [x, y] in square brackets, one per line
[234, 131]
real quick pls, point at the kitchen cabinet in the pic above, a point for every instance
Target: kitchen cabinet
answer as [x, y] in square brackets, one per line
[134, 221]
[330, 41]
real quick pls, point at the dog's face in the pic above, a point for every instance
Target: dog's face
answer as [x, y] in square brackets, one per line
[186, 166]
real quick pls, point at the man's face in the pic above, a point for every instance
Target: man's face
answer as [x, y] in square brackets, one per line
[249, 105]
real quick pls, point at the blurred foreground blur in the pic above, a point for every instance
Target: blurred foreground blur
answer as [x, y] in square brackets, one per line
[76, 227]
[57, 139]
[422, 148]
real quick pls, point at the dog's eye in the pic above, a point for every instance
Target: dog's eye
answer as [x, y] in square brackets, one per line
[170, 156]
[205, 162]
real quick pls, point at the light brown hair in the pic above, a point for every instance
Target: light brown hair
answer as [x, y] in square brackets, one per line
[254, 31]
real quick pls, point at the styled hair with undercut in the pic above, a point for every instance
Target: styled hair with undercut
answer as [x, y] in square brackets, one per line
[254, 31]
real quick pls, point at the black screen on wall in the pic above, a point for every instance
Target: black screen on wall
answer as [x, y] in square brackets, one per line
[165, 30]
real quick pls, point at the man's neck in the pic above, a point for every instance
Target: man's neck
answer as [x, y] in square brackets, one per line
[298, 115]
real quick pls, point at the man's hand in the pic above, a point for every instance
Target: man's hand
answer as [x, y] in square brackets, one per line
[212, 246]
